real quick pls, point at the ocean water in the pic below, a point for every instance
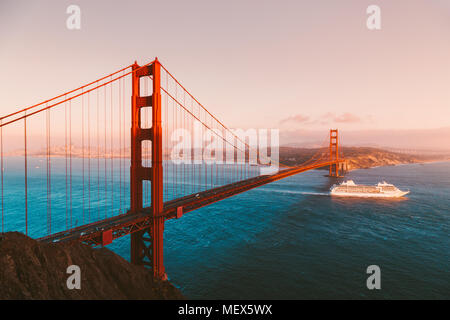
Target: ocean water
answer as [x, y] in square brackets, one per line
[291, 240]
[285, 240]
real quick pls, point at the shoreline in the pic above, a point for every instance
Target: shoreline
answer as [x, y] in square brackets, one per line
[401, 164]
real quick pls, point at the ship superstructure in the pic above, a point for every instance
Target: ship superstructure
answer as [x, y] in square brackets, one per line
[381, 190]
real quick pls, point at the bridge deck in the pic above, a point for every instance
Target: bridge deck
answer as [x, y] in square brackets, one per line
[128, 223]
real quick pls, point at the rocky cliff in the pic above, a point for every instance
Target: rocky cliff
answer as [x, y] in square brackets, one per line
[33, 270]
[363, 158]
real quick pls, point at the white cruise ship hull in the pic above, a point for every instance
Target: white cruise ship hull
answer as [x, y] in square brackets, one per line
[370, 195]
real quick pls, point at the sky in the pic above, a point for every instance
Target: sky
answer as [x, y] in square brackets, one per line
[299, 66]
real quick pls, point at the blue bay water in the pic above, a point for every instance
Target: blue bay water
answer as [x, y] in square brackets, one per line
[288, 239]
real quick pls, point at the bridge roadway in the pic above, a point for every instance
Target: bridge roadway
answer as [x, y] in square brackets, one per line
[127, 223]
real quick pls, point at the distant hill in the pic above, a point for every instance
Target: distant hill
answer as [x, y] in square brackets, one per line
[358, 157]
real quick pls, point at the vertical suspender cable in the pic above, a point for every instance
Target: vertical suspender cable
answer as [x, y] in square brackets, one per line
[120, 146]
[26, 173]
[98, 151]
[70, 160]
[173, 165]
[176, 128]
[104, 156]
[111, 154]
[50, 167]
[49, 228]
[185, 153]
[1, 152]
[65, 151]
[89, 155]
[82, 147]
[123, 146]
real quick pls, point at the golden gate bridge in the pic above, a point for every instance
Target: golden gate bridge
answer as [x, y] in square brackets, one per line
[108, 181]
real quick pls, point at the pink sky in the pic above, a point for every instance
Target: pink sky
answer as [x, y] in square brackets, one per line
[300, 66]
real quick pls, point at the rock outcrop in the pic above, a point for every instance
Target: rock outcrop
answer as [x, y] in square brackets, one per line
[33, 270]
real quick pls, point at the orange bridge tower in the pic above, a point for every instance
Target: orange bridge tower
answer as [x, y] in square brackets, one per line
[147, 244]
[334, 153]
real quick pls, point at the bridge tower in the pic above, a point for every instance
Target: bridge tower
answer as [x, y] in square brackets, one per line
[147, 244]
[334, 152]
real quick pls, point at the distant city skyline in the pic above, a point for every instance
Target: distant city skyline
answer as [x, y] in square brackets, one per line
[299, 66]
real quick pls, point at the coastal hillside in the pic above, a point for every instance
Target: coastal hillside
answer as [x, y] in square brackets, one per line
[33, 270]
[358, 157]
[364, 157]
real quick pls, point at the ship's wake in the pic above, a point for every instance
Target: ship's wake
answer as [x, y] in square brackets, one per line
[296, 192]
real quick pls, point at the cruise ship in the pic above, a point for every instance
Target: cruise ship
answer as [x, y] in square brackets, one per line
[381, 190]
